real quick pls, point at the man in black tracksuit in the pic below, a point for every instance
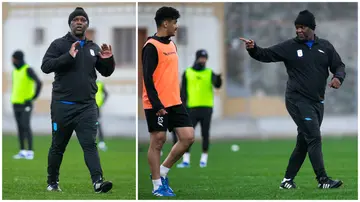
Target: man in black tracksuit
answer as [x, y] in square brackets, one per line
[26, 88]
[73, 59]
[307, 59]
[197, 95]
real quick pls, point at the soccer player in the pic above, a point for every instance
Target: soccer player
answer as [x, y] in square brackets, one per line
[101, 97]
[198, 96]
[161, 99]
[307, 59]
[73, 59]
[26, 88]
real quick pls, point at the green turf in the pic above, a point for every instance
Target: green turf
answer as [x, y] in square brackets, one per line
[255, 171]
[26, 179]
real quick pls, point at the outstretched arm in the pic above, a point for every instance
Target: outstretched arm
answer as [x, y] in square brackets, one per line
[276, 53]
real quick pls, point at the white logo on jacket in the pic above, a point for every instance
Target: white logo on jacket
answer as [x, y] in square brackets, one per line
[92, 52]
[299, 53]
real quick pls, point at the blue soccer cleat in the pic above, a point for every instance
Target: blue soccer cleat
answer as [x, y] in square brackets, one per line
[203, 164]
[183, 165]
[165, 182]
[162, 191]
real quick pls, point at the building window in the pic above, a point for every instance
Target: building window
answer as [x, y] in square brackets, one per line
[90, 34]
[124, 46]
[182, 36]
[39, 36]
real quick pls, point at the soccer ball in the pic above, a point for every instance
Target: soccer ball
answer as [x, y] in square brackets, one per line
[235, 147]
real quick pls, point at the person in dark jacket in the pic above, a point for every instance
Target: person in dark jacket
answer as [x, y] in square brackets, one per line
[307, 59]
[26, 88]
[197, 95]
[73, 59]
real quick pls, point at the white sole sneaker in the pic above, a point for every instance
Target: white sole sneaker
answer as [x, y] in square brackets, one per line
[29, 157]
[17, 156]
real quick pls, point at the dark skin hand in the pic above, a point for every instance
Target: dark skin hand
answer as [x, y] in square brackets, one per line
[335, 83]
[106, 51]
[72, 50]
[249, 43]
[161, 112]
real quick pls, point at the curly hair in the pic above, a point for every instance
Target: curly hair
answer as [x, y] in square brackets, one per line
[166, 13]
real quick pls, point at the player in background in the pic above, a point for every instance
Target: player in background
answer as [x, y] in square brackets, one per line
[26, 87]
[101, 97]
[161, 99]
[307, 59]
[197, 94]
[73, 58]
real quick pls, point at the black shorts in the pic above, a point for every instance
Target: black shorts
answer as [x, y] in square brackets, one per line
[176, 117]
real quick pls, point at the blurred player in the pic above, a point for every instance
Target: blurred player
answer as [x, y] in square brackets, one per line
[73, 59]
[197, 94]
[26, 88]
[307, 59]
[101, 97]
[161, 99]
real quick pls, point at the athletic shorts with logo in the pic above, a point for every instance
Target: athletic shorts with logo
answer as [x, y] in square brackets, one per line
[176, 117]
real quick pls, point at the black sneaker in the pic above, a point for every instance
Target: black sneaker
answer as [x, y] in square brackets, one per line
[328, 183]
[102, 186]
[53, 187]
[289, 184]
